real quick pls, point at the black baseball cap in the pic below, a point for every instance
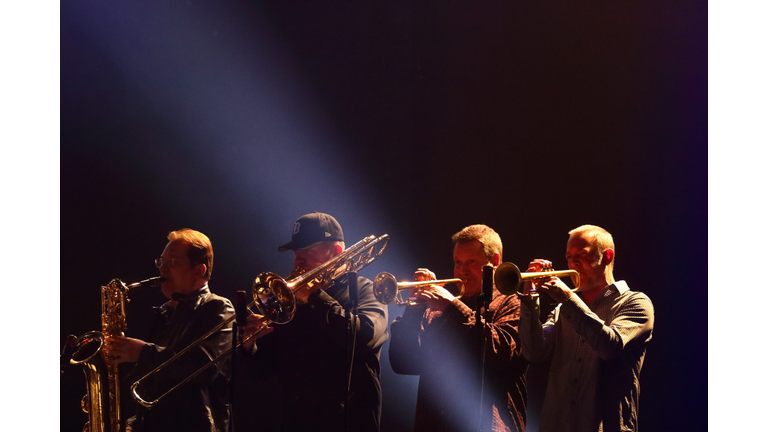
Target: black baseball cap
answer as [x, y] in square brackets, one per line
[311, 229]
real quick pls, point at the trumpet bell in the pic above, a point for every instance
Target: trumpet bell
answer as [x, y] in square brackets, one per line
[274, 297]
[507, 278]
[385, 288]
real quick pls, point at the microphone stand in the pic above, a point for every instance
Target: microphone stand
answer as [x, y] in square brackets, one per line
[241, 317]
[483, 303]
[351, 312]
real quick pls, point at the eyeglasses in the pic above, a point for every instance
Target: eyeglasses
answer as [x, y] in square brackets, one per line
[159, 262]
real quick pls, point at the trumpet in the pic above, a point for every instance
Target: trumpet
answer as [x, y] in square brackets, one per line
[508, 278]
[387, 289]
[274, 298]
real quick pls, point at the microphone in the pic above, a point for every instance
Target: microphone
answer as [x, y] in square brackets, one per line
[241, 308]
[352, 285]
[487, 285]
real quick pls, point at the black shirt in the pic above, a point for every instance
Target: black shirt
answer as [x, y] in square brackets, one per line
[201, 404]
[301, 369]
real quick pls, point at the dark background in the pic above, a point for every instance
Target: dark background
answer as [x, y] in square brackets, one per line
[409, 118]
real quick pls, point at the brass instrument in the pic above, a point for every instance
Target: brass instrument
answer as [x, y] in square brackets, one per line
[508, 278]
[149, 404]
[102, 399]
[275, 299]
[274, 296]
[387, 289]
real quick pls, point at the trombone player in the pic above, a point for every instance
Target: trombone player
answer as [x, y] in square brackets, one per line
[436, 340]
[191, 310]
[304, 362]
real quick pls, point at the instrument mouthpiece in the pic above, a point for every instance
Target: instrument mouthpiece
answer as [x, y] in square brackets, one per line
[153, 281]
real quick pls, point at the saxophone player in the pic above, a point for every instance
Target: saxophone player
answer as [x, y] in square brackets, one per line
[191, 310]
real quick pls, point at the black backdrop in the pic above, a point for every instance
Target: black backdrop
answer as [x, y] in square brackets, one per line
[407, 118]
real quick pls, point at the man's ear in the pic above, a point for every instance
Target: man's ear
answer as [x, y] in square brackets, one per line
[337, 249]
[608, 257]
[200, 270]
[496, 260]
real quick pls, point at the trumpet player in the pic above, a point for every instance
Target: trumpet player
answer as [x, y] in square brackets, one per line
[192, 309]
[595, 338]
[436, 340]
[305, 361]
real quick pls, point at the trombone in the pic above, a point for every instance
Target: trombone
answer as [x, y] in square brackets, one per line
[275, 296]
[387, 289]
[508, 278]
[200, 340]
[275, 299]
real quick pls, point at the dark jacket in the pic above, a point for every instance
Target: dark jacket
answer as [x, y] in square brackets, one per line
[443, 349]
[301, 369]
[201, 404]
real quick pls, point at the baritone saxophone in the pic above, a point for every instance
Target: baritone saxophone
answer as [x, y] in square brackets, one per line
[102, 399]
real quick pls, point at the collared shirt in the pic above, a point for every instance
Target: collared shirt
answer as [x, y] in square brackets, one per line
[597, 352]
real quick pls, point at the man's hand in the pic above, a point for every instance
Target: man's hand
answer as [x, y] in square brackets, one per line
[422, 275]
[553, 286]
[535, 266]
[255, 325]
[556, 289]
[120, 349]
[437, 297]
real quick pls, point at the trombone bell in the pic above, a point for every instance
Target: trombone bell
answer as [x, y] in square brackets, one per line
[274, 297]
[508, 278]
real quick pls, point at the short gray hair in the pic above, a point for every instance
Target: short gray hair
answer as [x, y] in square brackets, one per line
[600, 238]
[485, 235]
